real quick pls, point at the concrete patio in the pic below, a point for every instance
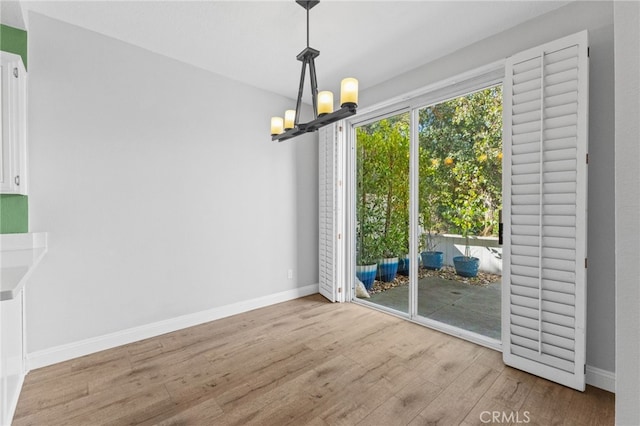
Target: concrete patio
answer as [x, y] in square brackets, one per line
[473, 308]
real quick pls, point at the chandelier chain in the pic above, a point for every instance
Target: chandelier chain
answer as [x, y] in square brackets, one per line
[307, 27]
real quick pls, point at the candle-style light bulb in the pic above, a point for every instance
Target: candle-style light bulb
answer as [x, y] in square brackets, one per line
[289, 119]
[277, 125]
[325, 102]
[349, 92]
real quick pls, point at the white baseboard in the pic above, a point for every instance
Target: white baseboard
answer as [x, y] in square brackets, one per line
[69, 351]
[602, 379]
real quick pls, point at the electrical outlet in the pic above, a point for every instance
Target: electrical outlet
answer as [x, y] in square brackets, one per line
[290, 274]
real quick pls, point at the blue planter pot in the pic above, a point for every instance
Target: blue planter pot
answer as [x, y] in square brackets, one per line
[466, 266]
[388, 269]
[403, 266]
[432, 259]
[367, 274]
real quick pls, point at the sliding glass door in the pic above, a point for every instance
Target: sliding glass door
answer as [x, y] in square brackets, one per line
[428, 181]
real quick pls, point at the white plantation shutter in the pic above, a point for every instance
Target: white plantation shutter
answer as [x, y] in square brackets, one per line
[545, 184]
[330, 223]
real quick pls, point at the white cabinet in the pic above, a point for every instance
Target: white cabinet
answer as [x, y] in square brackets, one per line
[11, 355]
[13, 126]
[19, 256]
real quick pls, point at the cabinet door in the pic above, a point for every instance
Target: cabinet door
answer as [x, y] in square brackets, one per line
[13, 125]
[11, 356]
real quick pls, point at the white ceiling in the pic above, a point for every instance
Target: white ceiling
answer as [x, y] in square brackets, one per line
[256, 42]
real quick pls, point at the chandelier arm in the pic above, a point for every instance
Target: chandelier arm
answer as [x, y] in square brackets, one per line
[300, 90]
[314, 86]
[312, 126]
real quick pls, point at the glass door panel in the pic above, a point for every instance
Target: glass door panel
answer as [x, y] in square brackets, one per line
[382, 204]
[459, 199]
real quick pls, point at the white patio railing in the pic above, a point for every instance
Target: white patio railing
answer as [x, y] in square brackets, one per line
[484, 248]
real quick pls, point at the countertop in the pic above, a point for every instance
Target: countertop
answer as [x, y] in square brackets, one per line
[19, 256]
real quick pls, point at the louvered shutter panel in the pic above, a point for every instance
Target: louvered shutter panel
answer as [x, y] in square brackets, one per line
[545, 185]
[330, 252]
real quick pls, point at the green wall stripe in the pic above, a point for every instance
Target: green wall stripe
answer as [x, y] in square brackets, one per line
[14, 209]
[14, 214]
[14, 40]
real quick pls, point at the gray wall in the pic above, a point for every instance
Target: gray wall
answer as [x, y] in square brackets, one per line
[627, 60]
[160, 188]
[597, 17]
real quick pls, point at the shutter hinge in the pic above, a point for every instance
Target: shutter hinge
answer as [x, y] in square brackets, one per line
[339, 236]
[339, 128]
[585, 263]
[588, 52]
[587, 158]
[585, 369]
[339, 289]
[15, 72]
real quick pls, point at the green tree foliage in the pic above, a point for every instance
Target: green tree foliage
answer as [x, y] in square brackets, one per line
[383, 188]
[461, 163]
[460, 173]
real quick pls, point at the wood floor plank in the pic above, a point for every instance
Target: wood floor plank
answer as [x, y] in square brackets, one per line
[362, 400]
[307, 390]
[405, 405]
[114, 360]
[272, 376]
[275, 406]
[201, 411]
[457, 399]
[548, 402]
[68, 391]
[317, 421]
[491, 358]
[331, 385]
[394, 372]
[128, 409]
[378, 346]
[507, 395]
[586, 408]
[101, 408]
[443, 366]
[302, 362]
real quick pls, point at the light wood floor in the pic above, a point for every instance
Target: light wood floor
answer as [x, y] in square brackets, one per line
[303, 362]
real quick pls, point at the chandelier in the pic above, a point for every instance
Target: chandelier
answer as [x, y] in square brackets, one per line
[323, 113]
